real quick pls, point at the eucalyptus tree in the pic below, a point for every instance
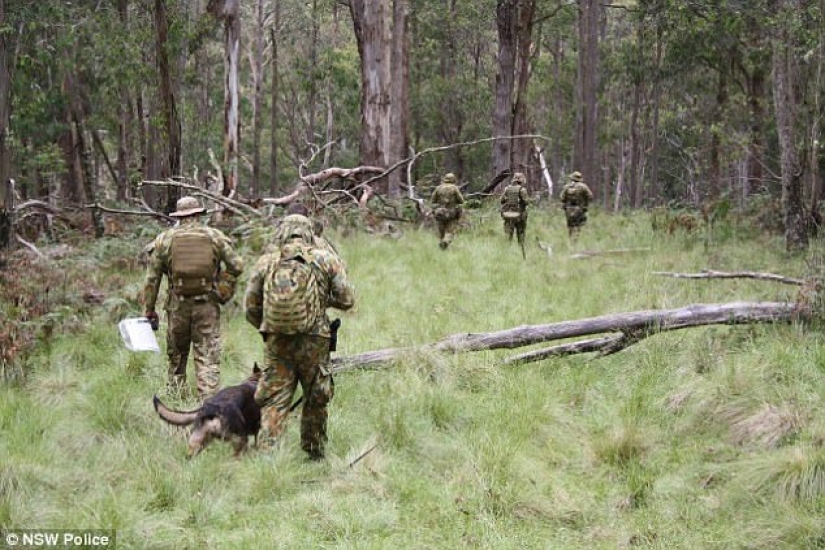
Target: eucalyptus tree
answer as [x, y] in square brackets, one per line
[381, 28]
[168, 91]
[228, 12]
[514, 22]
[585, 150]
[6, 201]
[786, 27]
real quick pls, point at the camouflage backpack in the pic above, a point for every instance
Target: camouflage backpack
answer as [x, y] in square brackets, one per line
[192, 263]
[511, 208]
[292, 293]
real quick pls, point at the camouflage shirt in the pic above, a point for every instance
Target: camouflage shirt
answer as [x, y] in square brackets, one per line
[576, 193]
[159, 260]
[331, 274]
[447, 195]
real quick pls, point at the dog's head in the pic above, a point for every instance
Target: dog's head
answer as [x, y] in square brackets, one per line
[203, 434]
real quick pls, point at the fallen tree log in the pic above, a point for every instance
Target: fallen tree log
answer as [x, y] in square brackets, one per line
[632, 326]
[711, 274]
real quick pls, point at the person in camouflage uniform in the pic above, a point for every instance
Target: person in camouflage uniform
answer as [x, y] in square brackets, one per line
[192, 308]
[513, 208]
[290, 222]
[575, 198]
[290, 359]
[447, 200]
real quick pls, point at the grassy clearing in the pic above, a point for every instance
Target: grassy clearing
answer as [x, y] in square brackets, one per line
[705, 438]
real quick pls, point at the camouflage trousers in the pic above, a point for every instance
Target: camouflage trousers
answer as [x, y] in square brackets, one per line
[576, 216]
[517, 225]
[446, 230]
[195, 323]
[290, 359]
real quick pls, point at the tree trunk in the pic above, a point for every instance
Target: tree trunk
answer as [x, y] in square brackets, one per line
[122, 190]
[633, 187]
[257, 100]
[312, 88]
[400, 94]
[88, 174]
[522, 149]
[380, 30]
[169, 111]
[817, 151]
[228, 11]
[656, 93]
[631, 325]
[452, 123]
[796, 236]
[6, 196]
[506, 20]
[586, 155]
[273, 114]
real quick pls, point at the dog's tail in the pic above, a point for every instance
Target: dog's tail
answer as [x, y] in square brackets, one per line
[178, 418]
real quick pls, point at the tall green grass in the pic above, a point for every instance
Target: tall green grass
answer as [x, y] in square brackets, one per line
[710, 437]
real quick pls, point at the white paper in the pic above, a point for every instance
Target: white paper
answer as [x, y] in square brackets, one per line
[138, 335]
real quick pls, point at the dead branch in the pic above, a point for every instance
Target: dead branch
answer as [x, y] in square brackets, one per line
[310, 180]
[148, 212]
[287, 198]
[412, 159]
[633, 325]
[711, 274]
[28, 245]
[37, 205]
[239, 208]
[583, 346]
[341, 173]
[102, 149]
[504, 174]
[592, 253]
[545, 247]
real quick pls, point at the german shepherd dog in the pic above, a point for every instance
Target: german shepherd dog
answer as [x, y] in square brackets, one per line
[231, 415]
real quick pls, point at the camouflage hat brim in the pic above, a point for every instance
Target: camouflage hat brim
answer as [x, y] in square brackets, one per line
[187, 212]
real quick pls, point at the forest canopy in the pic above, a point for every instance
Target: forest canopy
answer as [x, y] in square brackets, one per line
[700, 104]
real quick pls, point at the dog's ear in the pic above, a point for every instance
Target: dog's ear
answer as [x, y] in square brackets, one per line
[256, 369]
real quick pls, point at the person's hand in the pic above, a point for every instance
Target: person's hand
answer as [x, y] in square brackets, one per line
[154, 320]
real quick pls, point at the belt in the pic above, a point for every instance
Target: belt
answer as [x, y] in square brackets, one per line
[198, 298]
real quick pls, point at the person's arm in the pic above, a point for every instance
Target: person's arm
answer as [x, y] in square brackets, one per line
[154, 274]
[525, 198]
[254, 296]
[231, 259]
[459, 197]
[341, 292]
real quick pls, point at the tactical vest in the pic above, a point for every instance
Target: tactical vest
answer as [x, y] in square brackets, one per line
[512, 199]
[192, 263]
